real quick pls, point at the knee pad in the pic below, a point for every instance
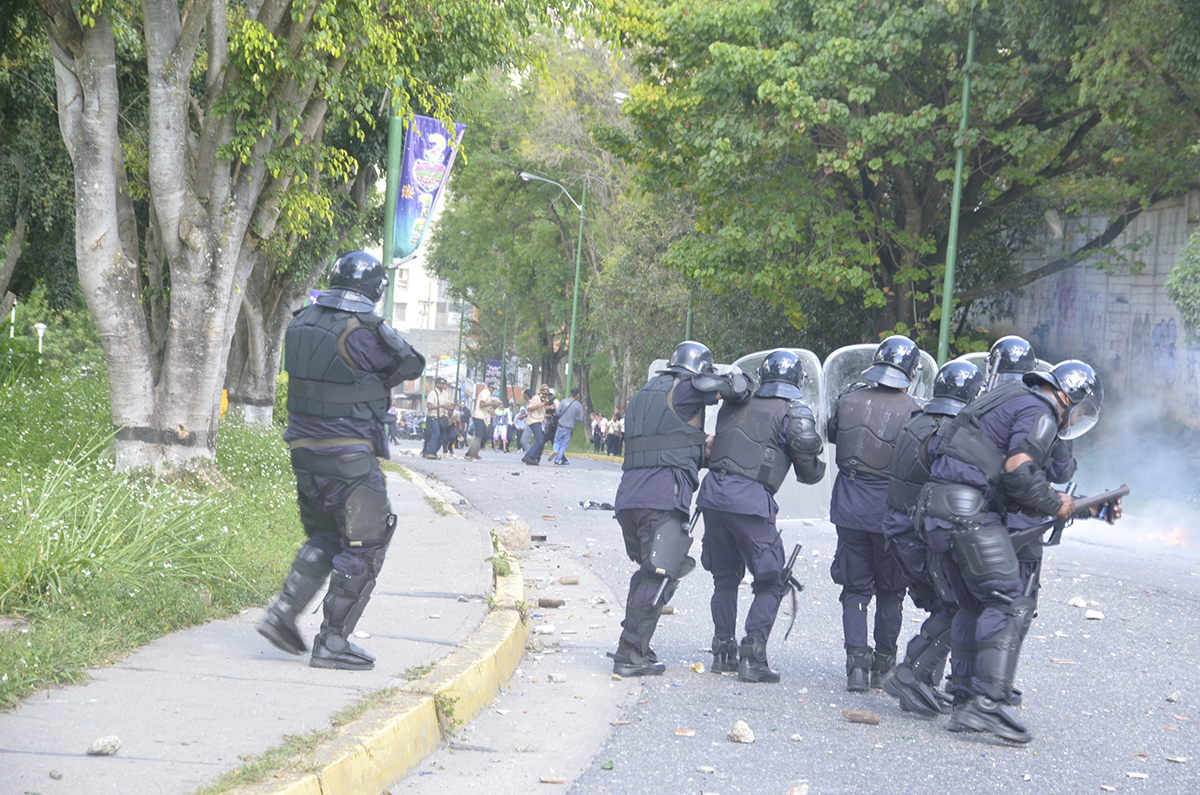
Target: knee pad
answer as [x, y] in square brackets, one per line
[985, 554]
[365, 517]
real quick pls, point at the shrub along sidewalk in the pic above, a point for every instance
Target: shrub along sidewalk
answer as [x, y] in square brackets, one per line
[95, 563]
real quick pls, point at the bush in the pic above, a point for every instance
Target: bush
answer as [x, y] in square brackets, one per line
[1183, 287]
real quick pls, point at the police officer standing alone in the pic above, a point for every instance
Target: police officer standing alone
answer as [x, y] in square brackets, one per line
[865, 424]
[665, 445]
[992, 461]
[342, 361]
[756, 443]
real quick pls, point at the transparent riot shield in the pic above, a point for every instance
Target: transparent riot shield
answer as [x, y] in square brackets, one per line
[810, 387]
[845, 366]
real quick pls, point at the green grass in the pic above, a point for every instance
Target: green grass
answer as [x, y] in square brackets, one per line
[95, 563]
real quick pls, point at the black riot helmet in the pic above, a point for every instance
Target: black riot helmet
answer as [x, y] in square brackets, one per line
[1081, 386]
[780, 375]
[356, 283]
[954, 386]
[1009, 359]
[896, 361]
[690, 358]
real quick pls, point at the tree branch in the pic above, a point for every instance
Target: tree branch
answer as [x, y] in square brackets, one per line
[1115, 227]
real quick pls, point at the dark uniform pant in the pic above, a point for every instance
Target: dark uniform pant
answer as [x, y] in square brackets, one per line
[641, 611]
[865, 569]
[733, 544]
[343, 505]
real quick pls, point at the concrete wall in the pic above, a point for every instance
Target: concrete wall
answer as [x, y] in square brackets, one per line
[1121, 323]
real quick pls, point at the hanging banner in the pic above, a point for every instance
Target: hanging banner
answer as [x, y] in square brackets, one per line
[429, 150]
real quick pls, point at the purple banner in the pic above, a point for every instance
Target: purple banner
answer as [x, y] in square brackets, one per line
[429, 150]
[493, 370]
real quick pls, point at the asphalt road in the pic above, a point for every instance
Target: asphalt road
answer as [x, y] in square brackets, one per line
[1096, 691]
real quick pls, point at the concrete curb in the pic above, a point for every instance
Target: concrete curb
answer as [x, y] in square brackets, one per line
[377, 749]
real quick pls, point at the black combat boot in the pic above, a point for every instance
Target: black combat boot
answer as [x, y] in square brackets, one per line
[915, 695]
[343, 606]
[753, 665]
[982, 714]
[309, 570]
[725, 656]
[858, 668]
[631, 661]
[881, 666]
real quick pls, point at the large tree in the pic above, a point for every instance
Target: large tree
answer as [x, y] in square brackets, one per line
[819, 138]
[222, 133]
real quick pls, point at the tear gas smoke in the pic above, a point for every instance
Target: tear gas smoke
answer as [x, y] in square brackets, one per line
[1137, 442]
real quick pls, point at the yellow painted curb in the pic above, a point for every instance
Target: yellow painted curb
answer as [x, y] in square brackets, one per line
[376, 750]
[421, 483]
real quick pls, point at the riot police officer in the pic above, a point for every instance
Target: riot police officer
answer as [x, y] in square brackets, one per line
[992, 461]
[1009, 359]
[664, 450]
[342, 361]
[865, 424]
[915, 680]
[755, 445]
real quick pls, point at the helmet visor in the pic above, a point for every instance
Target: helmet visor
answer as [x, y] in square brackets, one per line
[1080, 418]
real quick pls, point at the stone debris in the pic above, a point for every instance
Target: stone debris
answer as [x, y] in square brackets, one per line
[1077, 601]
[685, 732]
[54, 774]
[514, 535]
[1177, 758]
[557, 679]
[740, 733]
[669, 610]
[363, 635]
[1137, 775]
[105, 746]
[552, 780]
[796, 738]
[705, 769]
[860, 716]
[544, 629]
[616, 677]
[568, 580]
[1106, 788]
[551, 602]
[1094, 615]
[1175, 697]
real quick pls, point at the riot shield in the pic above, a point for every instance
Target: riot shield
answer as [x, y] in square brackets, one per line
[845, 366]
[810, 386]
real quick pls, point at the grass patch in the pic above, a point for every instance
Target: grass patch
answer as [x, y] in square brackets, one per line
[295, 755]
[97, 563]
[438, 505]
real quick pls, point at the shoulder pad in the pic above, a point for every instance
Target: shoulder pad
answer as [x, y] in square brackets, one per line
[1040, 440]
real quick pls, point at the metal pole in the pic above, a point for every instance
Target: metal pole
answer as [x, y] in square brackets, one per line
[503, 354]
[429, 308]
[395, 153]
[462, 312]
[575, 295]
[955, 203]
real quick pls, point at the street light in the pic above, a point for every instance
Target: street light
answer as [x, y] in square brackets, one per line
[525, 175]
[40, 328]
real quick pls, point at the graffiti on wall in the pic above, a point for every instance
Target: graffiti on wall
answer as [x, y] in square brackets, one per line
[1162, 352]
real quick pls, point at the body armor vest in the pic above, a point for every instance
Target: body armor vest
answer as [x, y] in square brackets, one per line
[655, 436]
[747, 441]
[322, 378]
[910, 462]
[966, 440]
[868, 423]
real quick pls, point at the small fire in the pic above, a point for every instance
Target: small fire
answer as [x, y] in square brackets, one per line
[1175, 537]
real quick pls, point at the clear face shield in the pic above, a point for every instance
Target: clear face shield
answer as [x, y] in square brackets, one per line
[1080, 418]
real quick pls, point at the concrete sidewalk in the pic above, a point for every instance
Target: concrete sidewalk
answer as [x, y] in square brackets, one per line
[196, 704]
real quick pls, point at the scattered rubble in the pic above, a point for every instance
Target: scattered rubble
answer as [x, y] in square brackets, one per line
[740, 733]
[1175, 697]
[105, 746]
[1094, 615]
[514, 535]
[860, 716]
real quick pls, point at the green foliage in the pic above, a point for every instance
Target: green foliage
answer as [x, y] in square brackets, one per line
[279, 413]
[1183, 287]
[819, 140]
[501, 563]
[97, 563]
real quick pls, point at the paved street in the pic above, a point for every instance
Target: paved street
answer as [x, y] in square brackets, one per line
[1096, 690]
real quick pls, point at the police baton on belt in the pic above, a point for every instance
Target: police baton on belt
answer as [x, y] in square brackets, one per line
[793, 585]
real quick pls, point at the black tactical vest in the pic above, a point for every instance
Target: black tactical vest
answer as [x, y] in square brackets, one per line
[747, 441]
[910, 462]
[656, 437]
[966, 440]
[322, 378]
[868, 423]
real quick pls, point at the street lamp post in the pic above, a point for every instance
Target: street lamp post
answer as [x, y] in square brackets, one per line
[579, 205]
[40, 328]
